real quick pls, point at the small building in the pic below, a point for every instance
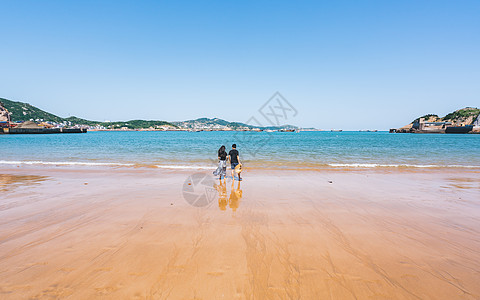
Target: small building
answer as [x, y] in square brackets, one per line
[422, 125]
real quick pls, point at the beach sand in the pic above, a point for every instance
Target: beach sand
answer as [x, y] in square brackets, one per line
[126, 233]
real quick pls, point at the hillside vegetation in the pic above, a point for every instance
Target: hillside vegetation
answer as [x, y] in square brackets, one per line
[467, 115]
[134, 124]
[463, 116]
[21, 112]
[206, 123]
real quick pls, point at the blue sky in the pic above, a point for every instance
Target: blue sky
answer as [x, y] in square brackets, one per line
[342, 64]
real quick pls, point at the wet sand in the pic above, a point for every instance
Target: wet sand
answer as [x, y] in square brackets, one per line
[131, 234]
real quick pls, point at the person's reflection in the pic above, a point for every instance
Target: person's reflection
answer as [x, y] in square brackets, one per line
[233, 201]
[222, 195]
[235, 196]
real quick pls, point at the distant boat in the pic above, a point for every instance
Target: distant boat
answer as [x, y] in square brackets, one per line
[336, 130]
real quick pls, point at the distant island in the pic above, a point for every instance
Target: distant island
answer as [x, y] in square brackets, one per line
[464, 120]
[25, 114]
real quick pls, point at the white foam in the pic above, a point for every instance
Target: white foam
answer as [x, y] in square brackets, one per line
[76, 163]
[204, 167]
[61, 163]
[184, 167]
[400, 165]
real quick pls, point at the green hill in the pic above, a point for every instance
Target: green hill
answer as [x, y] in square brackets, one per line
[21, 112]
[135, 124]
[465, 115]
[76, 120]
[206, 123]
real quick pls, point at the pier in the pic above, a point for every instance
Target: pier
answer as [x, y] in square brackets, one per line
[41, 130]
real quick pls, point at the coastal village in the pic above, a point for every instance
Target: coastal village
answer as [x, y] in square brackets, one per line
[26, 120]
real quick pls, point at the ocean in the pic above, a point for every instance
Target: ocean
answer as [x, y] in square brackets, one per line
[285, 150]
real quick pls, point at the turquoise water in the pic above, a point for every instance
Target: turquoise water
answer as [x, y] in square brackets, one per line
[257, 149]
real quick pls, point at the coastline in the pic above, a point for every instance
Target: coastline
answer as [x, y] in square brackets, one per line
[83, 232]
[248, 166]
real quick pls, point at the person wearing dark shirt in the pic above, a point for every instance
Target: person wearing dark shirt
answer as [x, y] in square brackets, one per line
[234, 158]
[222, 163]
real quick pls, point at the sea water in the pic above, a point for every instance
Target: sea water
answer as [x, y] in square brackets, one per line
[309, 150]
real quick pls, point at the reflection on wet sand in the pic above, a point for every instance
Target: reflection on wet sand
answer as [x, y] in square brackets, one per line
[222, 195]
[464, 183]
[235, 197]
[233, 200]
[9, 182]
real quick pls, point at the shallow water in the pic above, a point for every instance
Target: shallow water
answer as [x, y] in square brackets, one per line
[257, 149]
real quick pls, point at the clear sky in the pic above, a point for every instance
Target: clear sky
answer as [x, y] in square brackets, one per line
[341, 64]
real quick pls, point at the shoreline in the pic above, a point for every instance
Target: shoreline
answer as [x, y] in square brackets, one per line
[264, 166]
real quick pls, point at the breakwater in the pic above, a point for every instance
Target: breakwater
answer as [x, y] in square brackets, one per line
[41, 130]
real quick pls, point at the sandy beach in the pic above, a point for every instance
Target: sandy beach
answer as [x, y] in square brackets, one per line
[126, 233]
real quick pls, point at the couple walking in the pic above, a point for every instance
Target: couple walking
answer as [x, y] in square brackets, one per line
[234, 159]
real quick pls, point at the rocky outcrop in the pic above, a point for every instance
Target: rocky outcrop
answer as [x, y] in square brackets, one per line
[4, 114]
[460, 117]
[460, 121]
